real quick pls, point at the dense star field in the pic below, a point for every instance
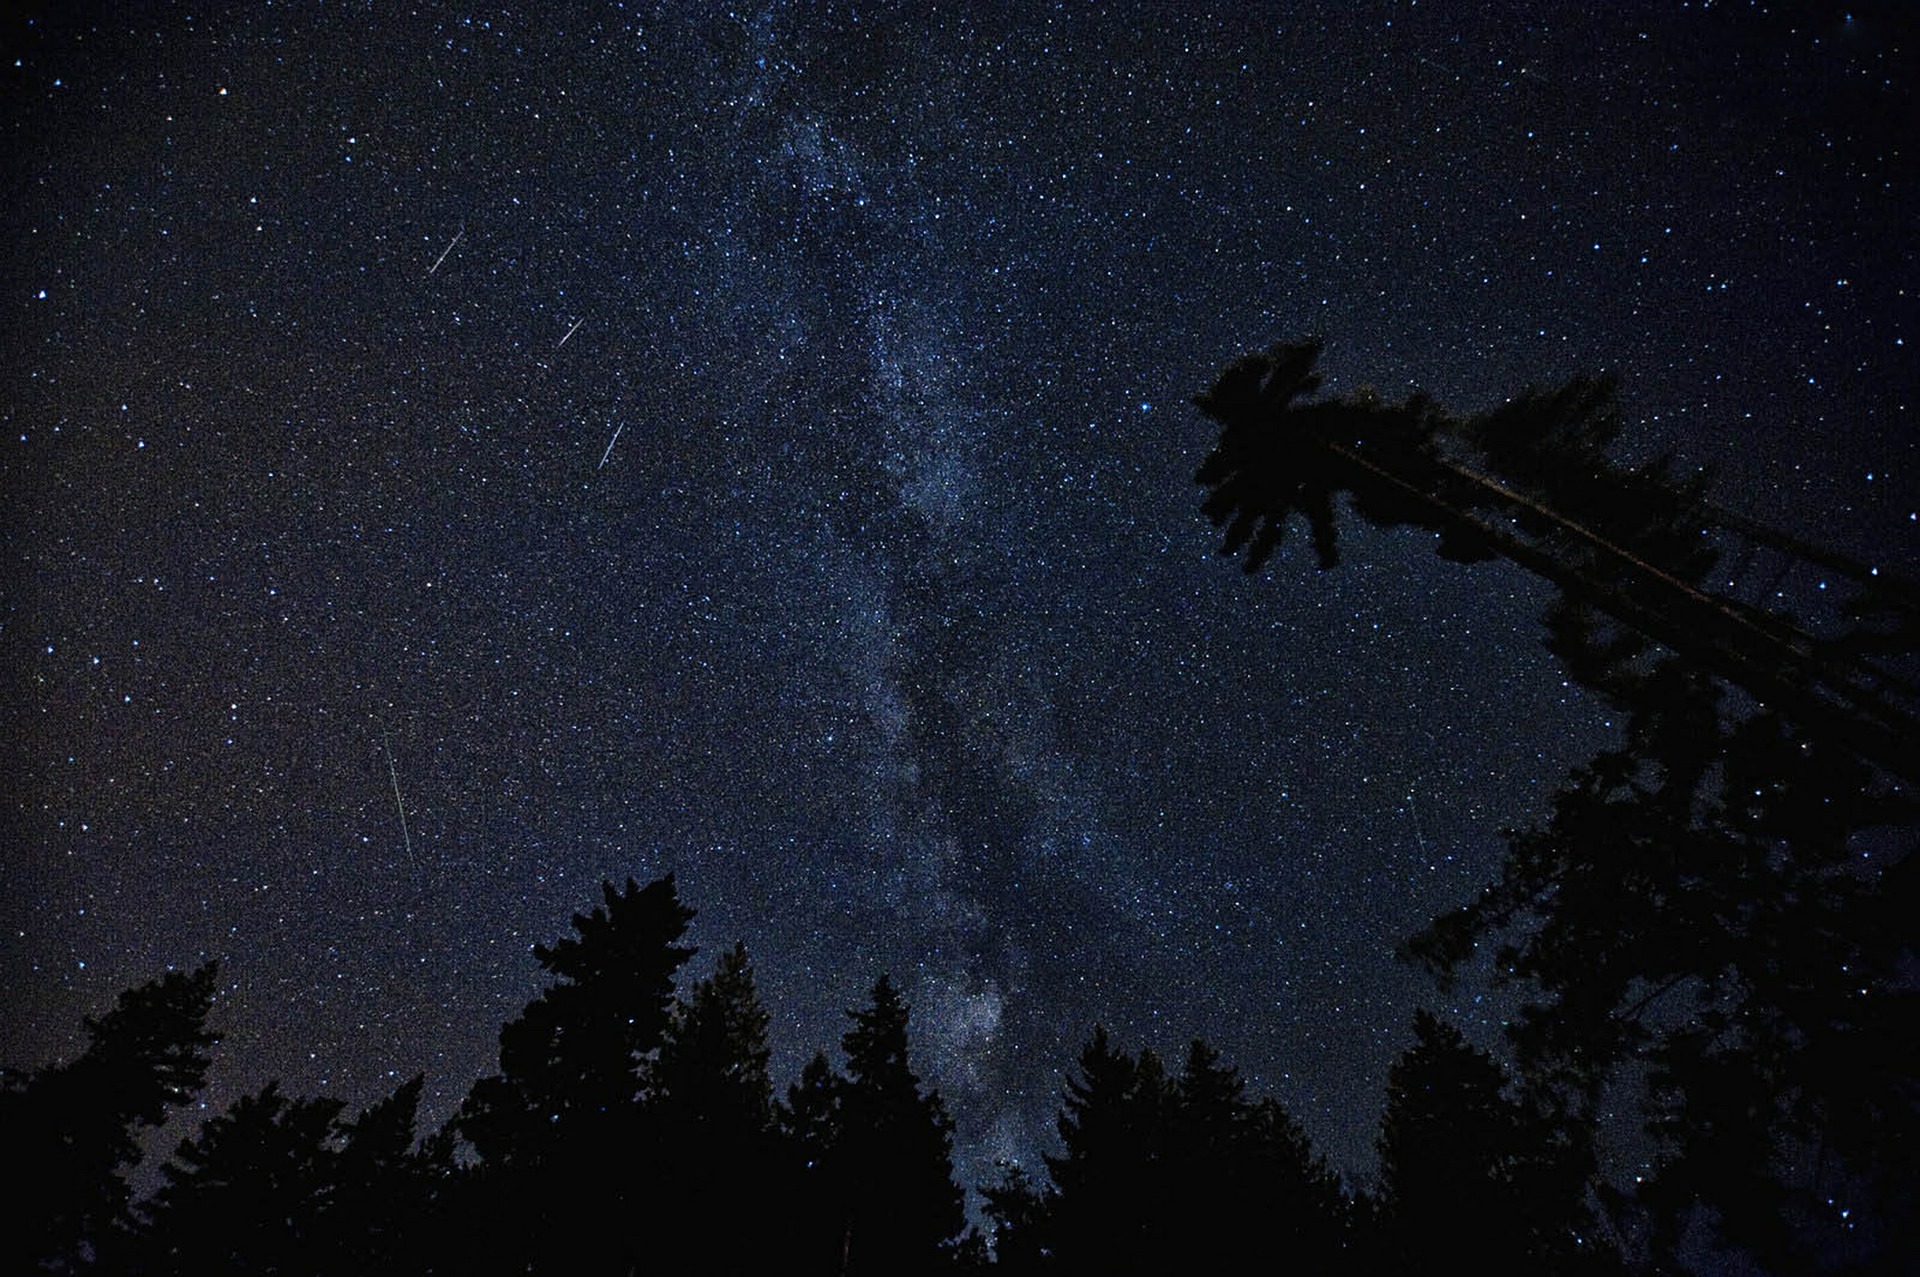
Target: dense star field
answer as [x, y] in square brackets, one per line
[457, 455]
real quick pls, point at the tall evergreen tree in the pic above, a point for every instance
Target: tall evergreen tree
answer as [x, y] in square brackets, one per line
[713, 1056]
[565, 1180]
[1020, 1213]
[1470, 1176]
[809, 1127]
[251, 1191]
[1174, 1175]
[73, 1130]
[710, 1109]
[1110, 1180]
[1723, 908]
[285, 1185]
[1294, 1201]
[575, 1053]
[810, 1118]
[389, 1188]
[878, 1152]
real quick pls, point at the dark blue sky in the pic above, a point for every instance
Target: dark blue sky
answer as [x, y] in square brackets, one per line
[756, 446]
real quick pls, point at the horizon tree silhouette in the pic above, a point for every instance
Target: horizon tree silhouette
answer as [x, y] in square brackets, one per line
[76, 1127]
[710, 1109]
[288, 1185]
[875, 1152]
[1471, 1176]
[563, 1180]
[1169, 1174]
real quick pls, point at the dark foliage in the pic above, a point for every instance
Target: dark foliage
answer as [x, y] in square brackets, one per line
[573, 1059]
[709, 1116]
[1719, 913]
[1167, 1174]
[875, 1153]
[287, 1186]
[75, 1128]
[1475, 1178]
[561, 1133]
[1727, 911]
[1628, 547]
[697, 1170]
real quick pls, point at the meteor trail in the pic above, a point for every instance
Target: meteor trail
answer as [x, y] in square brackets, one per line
[394, 775]
[609, 452]
[570, 332]
[448, 249]
[1419, 834]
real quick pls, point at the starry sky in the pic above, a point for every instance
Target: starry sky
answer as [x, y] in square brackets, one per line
[455, 455]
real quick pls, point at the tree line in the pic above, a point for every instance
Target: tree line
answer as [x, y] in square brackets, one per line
[633, 1129]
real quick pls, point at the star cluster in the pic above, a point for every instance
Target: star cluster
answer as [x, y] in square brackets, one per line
[455, 455]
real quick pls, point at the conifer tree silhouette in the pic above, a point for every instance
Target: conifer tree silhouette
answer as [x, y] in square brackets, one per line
[1532, 481]
[1020, 1211]
[1110, 1180]
[1166, 1175]
[1471, 1177]
[713, 1055]
[896, 1148]
[810, 1126]
[74, 1129]
[876, 1153]
[250, 1191]
[389, 1189]
[710, 1108]
[287, 1185]
[565, 1176]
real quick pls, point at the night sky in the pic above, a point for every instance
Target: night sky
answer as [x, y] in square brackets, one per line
[756, 445]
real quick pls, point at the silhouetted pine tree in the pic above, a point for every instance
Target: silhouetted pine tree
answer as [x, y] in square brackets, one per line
[1111, 1182]
[875, 1154]
[1470, 1176]
[810, 1119]
[566, 1181]
[713, 1056]
[896, 1149]
[1726, 907]
[389, 1189]
[72, 1131]
[283, 1185]
[809, 1125]
[252, 1191]
[1020, 1212]
[1163, 1176]
[1629, 548]
[710, 1107]
[1243, 1179]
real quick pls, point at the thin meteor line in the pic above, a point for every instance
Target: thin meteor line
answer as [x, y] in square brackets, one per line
[1419, 834]
[394, 775]
[570, 332]
[609, 452]
[449, 249]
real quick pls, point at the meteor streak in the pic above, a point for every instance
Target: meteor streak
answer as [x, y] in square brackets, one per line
[609, 452]
[570, 332]
[393, 774]
[448, 249]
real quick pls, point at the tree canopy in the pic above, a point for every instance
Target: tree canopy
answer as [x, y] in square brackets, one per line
[78, 1126]
[1717, 913]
